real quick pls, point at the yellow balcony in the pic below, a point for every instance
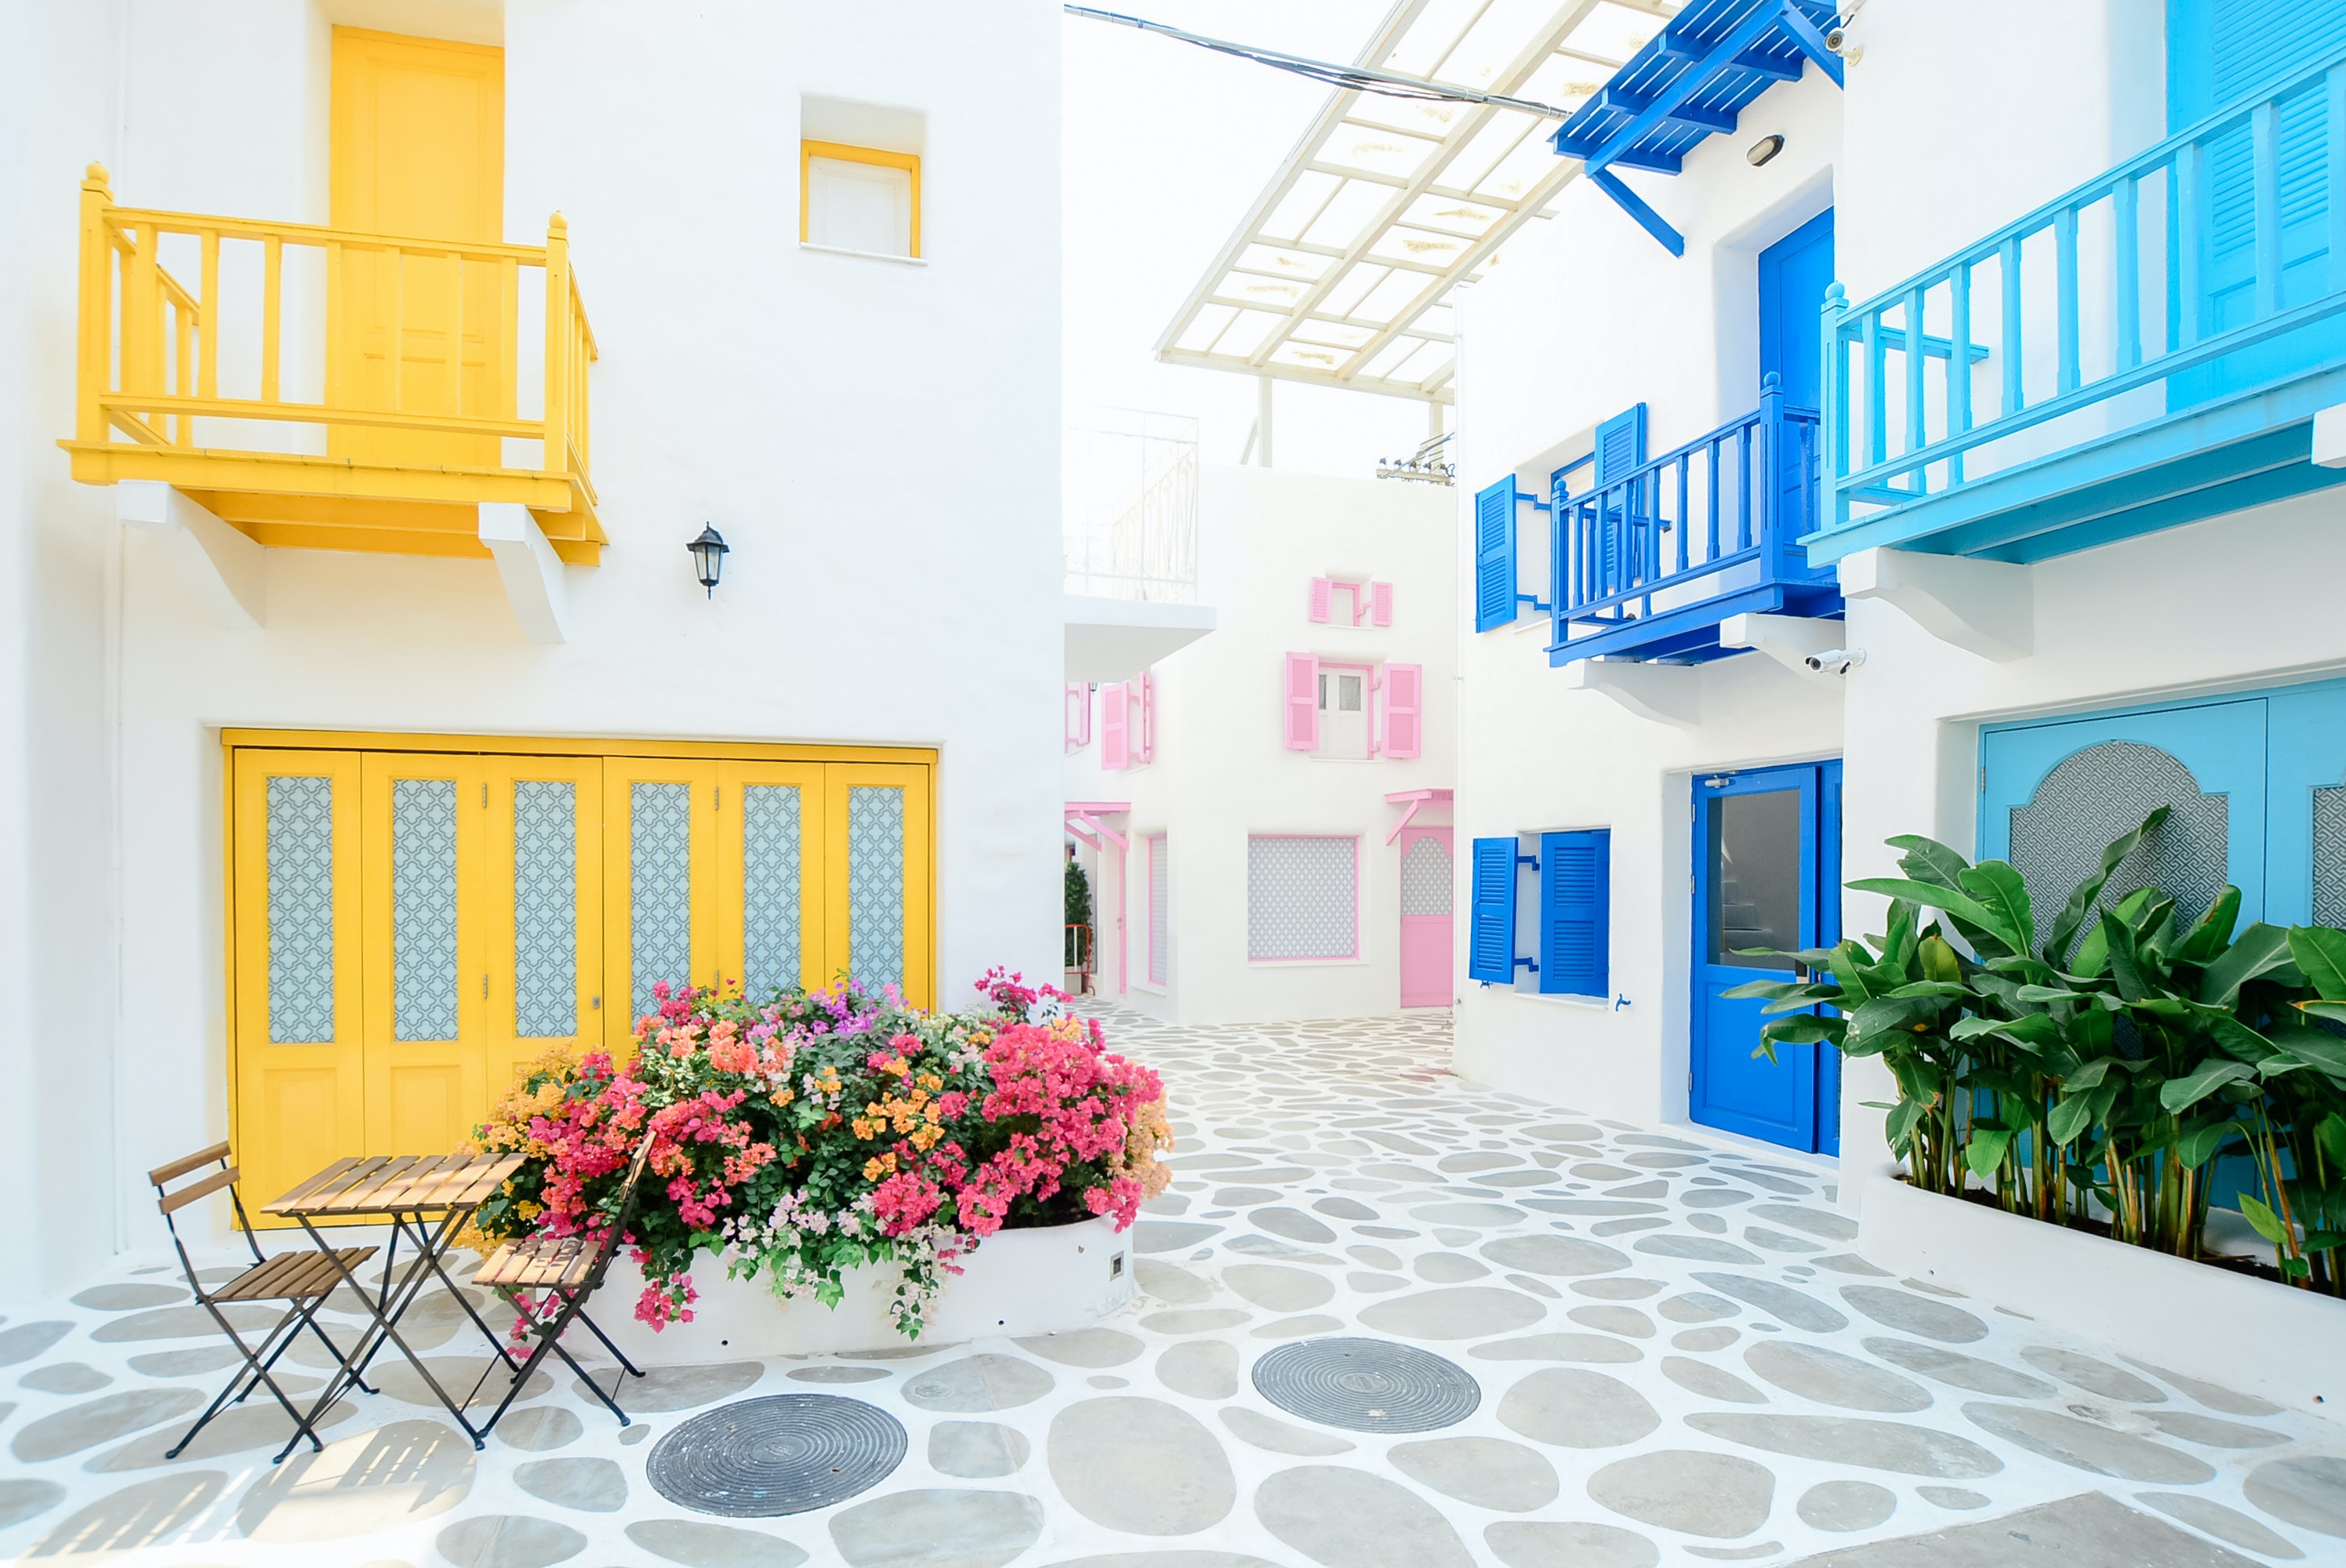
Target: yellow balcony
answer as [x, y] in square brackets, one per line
[321, 389]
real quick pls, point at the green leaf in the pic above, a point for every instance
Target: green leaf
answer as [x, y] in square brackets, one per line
[2212, 930]
[1929, 860]
[1928, 988]
[2087, 893]
[1940, 960]
[2321, 953]
[1963, 906]
[2257, 952]
[2069, 1119]
[1999, 889]
[2294, 1267]
[2268, 1224]
[2330, 1136]
[2195, 1148]
[2314, 1047]
[1805, 1030]
[1985, 1152]
[1770, 989]
[2124, 966]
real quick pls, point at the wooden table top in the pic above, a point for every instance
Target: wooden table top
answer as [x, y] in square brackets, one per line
[382, 1183]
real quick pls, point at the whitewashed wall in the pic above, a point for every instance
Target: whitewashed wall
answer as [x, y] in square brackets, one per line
[1222, 770]
[877, 441]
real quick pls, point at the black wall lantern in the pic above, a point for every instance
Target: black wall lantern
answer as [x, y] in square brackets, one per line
[707, 554]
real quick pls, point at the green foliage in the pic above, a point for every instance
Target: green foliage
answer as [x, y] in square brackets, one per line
[1079, 894]
[2100, 1071]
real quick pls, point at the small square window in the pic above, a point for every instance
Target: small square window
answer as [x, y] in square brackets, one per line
[859, 199]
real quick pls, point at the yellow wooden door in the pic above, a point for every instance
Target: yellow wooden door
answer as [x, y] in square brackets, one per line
[659, 882]
[544, 898]
[418, 150]
[771, 872]
[294, 862]
[877, 917]
[423, 977]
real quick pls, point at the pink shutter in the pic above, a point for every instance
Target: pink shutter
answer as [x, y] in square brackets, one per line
[1078, 715]
[1302, 695]
[1405, 708]
[1144, 723]
[1116, 729]
[1322, 592]
[1381, 604]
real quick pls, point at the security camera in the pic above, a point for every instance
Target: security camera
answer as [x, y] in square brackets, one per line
[1837, 40]
[1839, 661]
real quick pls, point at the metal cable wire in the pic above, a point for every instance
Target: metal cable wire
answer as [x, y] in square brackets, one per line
[1353, 78]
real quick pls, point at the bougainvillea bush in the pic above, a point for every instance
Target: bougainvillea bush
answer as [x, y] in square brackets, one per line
[827, 1130]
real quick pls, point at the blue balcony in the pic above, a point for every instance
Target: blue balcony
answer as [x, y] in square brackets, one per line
[2144, 351]
[1647, 565]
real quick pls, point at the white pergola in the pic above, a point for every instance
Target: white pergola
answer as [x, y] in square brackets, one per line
[1341, 273]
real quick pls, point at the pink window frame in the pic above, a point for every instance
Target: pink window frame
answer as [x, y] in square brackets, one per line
[1351, 957]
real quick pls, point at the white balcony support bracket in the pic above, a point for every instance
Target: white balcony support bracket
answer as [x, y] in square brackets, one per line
[2330, 436]
[1790, 641]
[530, 570]
[1664, 693]
[1986, 607]
[226, 570]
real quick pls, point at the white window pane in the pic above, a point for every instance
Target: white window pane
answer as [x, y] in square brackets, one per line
[859, 207]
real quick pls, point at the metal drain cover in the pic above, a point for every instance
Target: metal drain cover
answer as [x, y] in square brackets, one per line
[1367, 1385]
[785, 1453]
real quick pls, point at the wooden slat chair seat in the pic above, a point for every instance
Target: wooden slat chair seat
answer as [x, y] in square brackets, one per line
[302, 1279]
[568, 1269]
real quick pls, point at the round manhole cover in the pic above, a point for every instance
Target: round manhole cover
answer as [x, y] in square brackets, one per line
[1367, 1385]
[785, 1453]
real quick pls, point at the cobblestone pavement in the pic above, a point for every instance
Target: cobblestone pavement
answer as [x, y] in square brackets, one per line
[1676, 1358]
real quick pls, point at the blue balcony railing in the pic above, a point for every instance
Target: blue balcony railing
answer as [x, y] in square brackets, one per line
[2146, 351]
[1649, 566]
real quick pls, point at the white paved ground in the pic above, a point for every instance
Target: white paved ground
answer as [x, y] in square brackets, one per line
[1680, 1359]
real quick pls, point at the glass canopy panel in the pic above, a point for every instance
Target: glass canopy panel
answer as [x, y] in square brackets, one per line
[1386, 203]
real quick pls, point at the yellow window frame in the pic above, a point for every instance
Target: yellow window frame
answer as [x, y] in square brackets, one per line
[844, 152]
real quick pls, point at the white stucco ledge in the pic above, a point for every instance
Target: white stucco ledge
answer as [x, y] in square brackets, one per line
[1790, 640]
[1986, 607]
[1664, 693]
[2330, 436]
[1116, 639]
[2248, 1334]
[227, 571]
[530, 570]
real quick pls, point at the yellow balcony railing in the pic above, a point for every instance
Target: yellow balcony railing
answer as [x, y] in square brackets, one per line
[323, 388]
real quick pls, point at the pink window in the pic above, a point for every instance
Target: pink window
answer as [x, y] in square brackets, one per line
[1078, 715]
[1302, 702]
[1405, 709]
[1115, 725]
[1303, 898]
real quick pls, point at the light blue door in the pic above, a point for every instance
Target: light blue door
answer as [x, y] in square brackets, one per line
[1767, 875]
[2053, 794]
[2305, 807]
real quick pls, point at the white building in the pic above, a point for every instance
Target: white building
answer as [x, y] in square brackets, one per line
[360, 740]
[1264, 815]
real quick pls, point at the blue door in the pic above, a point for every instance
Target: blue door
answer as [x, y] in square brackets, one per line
[1794, 274]
[2219, 52]
[1766, 874]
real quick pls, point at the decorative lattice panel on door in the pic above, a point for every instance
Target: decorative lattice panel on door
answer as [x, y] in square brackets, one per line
[1160, 925]
[545, 907]
[1303, 898]
[770, 889]
[2102, 792]
[423, 908]
[660, 889]
[301, 911]
[1426, 879]
[875, 884]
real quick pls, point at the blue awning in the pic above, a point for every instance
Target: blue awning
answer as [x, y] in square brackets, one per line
[1688, 83]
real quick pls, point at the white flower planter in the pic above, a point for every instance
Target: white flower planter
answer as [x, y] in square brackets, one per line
[1016, 1282]
[2244, 1333]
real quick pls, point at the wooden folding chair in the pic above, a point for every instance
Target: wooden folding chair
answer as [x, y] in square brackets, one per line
[302, 1279]
[568, 1269]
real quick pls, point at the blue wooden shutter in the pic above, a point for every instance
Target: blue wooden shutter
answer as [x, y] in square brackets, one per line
[1491, 951]
[1575, 924]
[1620, 446]
[1494, 555]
